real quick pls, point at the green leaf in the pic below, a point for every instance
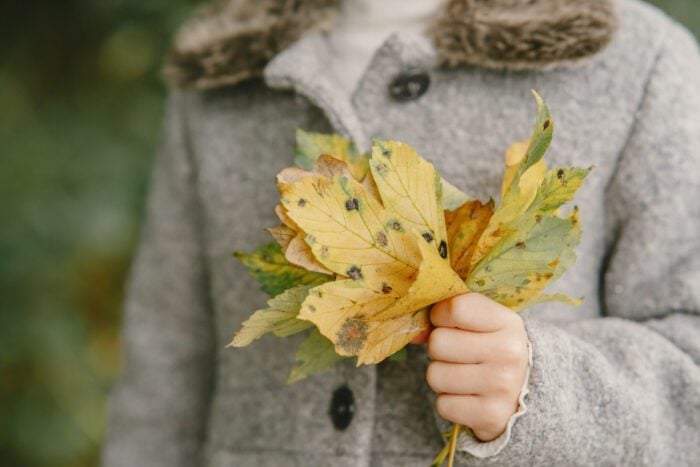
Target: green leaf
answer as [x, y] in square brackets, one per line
[558, 187]
[279, 318]
[540, 139]
[315, 354]
[555, 297]
[268, 266]
[399, 356]
[310, 146]
[522, 262]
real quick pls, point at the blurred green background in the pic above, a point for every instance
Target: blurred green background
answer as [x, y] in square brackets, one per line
[80, 108]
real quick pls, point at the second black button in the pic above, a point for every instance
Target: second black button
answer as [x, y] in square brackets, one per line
[342, 407]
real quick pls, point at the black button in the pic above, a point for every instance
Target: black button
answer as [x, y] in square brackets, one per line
[342, 407]
[409, 85]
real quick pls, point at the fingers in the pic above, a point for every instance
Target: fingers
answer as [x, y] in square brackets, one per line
[471, 312]
[460, 379]
[453, 378]
[458, 346]
[482, 414]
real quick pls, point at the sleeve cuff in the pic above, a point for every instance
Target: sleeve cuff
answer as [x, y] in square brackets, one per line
[469, 443]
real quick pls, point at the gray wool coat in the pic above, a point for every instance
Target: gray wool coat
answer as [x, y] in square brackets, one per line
[614, 382]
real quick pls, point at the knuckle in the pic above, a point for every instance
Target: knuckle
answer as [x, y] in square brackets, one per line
[504, 380]
[493, 411]
[512, 352]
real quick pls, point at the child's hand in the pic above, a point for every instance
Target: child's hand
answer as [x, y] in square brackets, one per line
[480, 358]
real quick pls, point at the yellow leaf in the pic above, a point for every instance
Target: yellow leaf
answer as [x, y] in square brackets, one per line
[350, 233]
[411, 188]
[373, 324]
[281, 212]
[530, 180]
[299, 252]
[282, 235]
[311, 146]
[465, 226]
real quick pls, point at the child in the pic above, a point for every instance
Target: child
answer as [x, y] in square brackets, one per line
[613, 382]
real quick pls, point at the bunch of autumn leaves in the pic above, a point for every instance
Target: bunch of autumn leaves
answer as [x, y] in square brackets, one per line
[367, 243]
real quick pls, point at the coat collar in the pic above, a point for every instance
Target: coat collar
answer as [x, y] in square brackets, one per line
[233, 40]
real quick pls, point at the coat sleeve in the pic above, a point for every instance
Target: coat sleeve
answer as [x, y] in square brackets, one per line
[158, 409]
[624, 389]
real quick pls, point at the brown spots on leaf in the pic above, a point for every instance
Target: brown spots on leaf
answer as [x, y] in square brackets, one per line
[386, 153]
[301, 203]
[352, 335]
[396, 225]
[354, 273]
[386, 288]
[324, 251]
[312, 308]
[520, 245]
[538, 218]
[428, 237]
[553, 263]
[316, 293]
[381, 168]
[546, 124]
[352, 204]
[543, 276]
[480, 283]
[443, 249]
[381, 238]
[561, 176]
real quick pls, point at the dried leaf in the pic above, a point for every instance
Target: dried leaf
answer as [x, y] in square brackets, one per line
[269, 267]
[374, 324]
[315, 354]
[299, 253]
[465, 226]
[310, 146]
[410, 188]
[279, 318]
[283, 235]
[526, 245]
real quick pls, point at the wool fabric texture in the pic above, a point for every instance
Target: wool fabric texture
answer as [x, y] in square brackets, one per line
[613, 382]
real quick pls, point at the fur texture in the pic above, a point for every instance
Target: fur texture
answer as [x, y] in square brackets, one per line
[233, 40]
[522, 34]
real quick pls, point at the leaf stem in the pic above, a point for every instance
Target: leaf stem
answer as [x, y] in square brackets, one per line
[453, 444]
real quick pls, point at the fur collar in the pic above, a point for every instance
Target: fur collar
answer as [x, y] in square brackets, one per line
[233, 40]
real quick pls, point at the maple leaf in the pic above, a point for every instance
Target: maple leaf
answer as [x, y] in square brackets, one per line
[315, 354]
[279, 318]
[390, 255]
[526, 245]
[268, 266]
[385, 237]
[310, 146]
